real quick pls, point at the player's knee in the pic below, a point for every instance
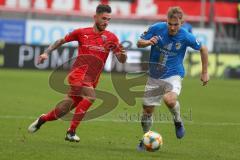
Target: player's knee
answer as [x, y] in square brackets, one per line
[63, 107]
[66, 103]
[72, 101]
[170, 101]
[148, 109]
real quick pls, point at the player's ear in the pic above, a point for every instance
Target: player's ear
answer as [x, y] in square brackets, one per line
[95, 17]
[182, 21]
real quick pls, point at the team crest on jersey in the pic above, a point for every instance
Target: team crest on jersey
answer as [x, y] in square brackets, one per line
[168, 46]
[104, 38]
[178, 45]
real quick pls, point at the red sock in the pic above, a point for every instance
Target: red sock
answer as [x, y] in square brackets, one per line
[56, 113]
[80, 111]
[52, 115]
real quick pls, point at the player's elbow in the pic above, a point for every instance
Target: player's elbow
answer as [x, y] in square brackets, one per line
[59, 42]
[204, 49]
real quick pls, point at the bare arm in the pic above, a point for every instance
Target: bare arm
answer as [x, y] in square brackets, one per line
[55, 45]
[121, 55]
[122, 58]
[145, 43]
[204, 59]
[52, 47]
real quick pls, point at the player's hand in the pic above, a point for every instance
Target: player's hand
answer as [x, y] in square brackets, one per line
[122, 49]
[42, 58]
[121, 55]
[153, 40]
[204, 78]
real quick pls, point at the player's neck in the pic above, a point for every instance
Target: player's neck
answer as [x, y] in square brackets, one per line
[96, 30]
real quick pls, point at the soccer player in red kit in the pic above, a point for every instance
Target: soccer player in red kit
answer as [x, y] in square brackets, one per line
[95, 44]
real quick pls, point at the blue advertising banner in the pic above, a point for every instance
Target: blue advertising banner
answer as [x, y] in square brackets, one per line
[43, 32]
[12, 31]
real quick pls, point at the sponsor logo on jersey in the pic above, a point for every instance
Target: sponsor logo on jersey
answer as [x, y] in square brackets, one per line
[104, 38]
[168, 46]
[198, 43]
[95, 48]
[160, 38]
[178, 45]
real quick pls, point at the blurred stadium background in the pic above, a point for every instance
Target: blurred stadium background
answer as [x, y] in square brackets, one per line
[211, 113]
[27, 25]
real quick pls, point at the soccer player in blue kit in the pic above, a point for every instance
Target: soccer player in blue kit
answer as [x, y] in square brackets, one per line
[168, 41]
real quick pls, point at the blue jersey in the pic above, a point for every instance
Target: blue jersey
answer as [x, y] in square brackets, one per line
[166, 57]
[187, 27]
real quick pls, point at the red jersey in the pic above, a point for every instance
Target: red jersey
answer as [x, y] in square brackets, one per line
[93, 50]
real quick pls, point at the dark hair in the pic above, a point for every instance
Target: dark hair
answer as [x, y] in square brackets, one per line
[101, 8]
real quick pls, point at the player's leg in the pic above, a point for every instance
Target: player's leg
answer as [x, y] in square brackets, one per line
[146, 118]
[146, 123]
[170, 99]
[173, 89]
[88, 97]
[152, 96]
[61, 109]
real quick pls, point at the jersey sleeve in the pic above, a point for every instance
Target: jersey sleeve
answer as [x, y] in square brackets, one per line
[187, 27]
[149, 33]
[72, 36]
[114, 45]
[193, 42]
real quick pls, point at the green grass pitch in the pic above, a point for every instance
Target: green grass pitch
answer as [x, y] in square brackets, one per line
[211, 114]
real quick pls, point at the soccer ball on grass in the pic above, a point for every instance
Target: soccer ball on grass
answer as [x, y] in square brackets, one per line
[152, 141]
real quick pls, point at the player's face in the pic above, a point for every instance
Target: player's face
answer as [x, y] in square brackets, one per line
[174, 25]
[102, 20]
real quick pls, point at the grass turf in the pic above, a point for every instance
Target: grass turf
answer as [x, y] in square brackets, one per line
[211, 121]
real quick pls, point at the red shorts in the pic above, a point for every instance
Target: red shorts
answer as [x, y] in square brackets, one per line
[77, 80]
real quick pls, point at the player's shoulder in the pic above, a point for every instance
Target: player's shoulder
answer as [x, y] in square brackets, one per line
[184, 32]
[82, 30]
[187, 27]
[189, 37]
[110, 34]
[159, 25]
[86, 30]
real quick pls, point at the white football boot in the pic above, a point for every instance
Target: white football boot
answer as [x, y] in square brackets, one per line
[72, 137]
[36, 125]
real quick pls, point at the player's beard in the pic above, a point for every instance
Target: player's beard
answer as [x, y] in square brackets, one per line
[101, 27]
[172, 32]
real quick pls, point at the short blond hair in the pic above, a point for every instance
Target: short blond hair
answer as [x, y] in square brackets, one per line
[175, 12]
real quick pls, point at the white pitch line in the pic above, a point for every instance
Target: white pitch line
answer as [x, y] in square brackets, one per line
[16, 117]
[11, 117]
